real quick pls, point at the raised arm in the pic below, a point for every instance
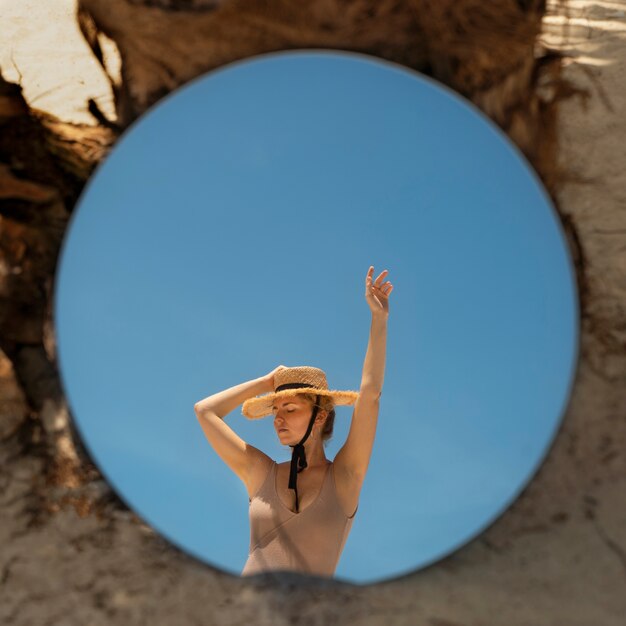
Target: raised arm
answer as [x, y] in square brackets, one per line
[353, 458]
[240, 456]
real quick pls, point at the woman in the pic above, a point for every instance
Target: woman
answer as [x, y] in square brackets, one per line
[304, 531]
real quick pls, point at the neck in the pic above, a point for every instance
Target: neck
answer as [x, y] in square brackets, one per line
[314, 450]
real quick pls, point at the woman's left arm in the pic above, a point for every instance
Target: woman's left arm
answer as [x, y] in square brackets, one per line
[374, 364]
[377, 297]
[354, 456]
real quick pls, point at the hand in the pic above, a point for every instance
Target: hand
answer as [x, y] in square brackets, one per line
[269, 378]
[377, 292]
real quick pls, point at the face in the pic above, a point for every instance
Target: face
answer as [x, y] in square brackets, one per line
[291, 418]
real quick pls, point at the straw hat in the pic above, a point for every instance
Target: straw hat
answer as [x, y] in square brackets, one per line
[302, 378]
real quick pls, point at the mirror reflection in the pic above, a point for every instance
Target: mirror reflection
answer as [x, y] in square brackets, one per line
[231, 245]
[309, 536]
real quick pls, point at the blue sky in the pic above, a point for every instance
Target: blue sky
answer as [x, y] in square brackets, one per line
[230, 230]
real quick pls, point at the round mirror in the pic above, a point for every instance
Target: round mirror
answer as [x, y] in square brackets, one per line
[230, 230]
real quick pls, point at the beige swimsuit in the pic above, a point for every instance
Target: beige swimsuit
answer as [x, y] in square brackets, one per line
[310, 541]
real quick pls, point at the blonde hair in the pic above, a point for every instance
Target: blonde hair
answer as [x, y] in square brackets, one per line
[326, 404]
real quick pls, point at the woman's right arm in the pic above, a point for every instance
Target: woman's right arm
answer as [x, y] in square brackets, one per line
[240, 456]
[224, 402]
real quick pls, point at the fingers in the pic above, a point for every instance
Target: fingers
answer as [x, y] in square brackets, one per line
[370, 273]
[377, 284]
[380, 277]
[385, 289]
[376, 287]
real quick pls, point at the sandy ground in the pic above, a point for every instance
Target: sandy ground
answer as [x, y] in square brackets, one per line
[558, 555]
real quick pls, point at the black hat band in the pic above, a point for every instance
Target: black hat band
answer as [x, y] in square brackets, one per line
[294, 386]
